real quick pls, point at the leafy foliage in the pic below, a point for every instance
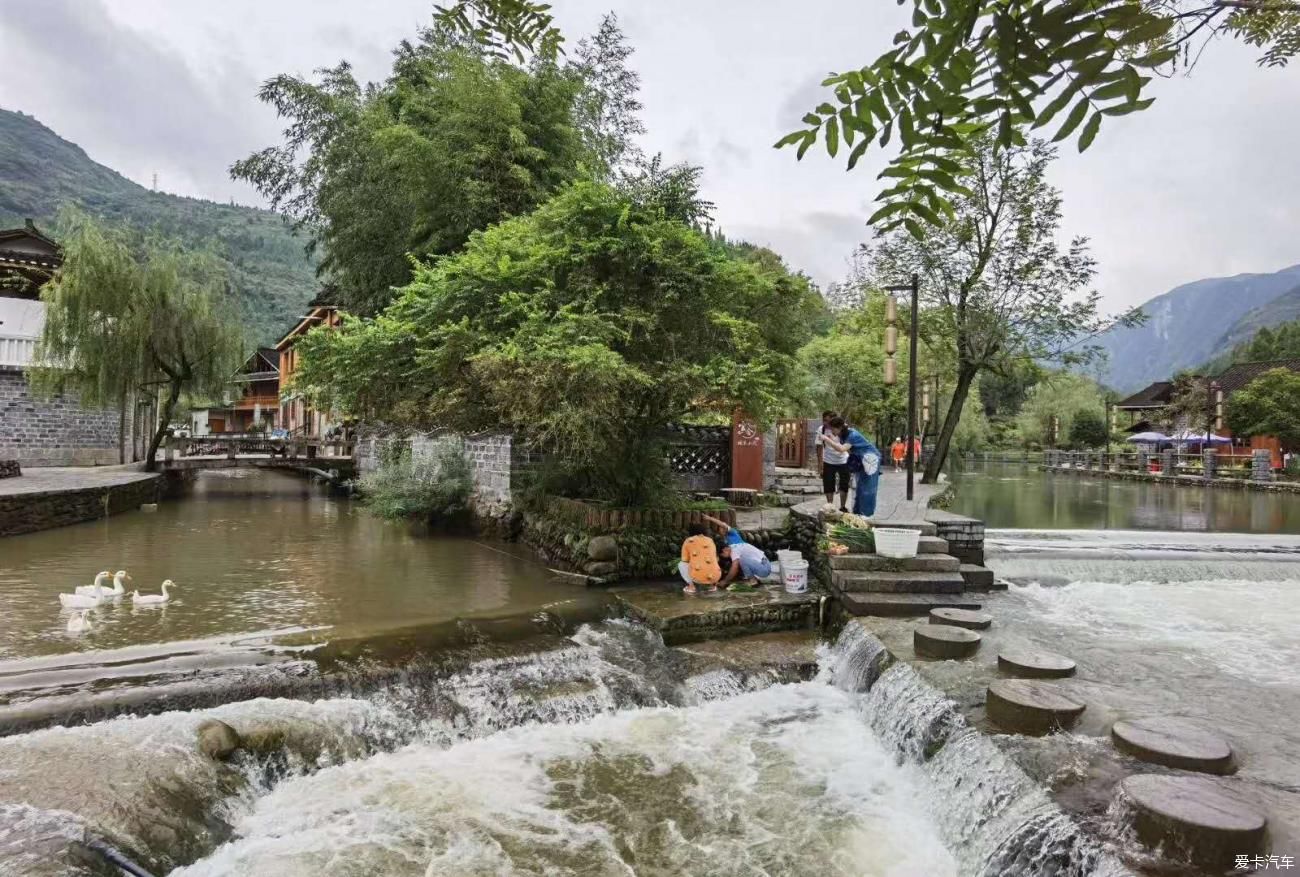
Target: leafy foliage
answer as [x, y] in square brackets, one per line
[1189, 404]
[584, 327]
[995, 278]
[607, 106]
[126, 315]
[1088, 429]
[269, 277]
[971, 68]
[453, 141]
[1268, 405]
[436, 488]
[1278, 342]
[1059, 398]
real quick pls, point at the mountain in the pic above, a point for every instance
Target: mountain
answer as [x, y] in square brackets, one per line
[1195, 322]
[272, 276]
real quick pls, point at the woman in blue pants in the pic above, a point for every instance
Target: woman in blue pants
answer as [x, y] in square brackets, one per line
[864, 462]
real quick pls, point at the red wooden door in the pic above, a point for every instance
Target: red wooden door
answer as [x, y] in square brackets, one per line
[790, 444]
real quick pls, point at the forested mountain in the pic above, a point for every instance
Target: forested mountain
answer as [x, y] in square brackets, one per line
[272, 276]
[1197, 322]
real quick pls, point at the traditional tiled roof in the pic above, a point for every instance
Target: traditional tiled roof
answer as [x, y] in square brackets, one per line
[1240, 374]
[1156, 395]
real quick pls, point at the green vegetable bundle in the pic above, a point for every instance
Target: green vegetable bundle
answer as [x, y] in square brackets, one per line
[858, 541]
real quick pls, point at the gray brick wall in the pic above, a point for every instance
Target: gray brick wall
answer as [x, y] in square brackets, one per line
[493, 457]
[52, 432]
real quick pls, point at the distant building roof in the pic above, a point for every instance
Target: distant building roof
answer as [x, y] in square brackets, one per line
[1236, 376]
[28, 257]
[307, 321]
[1156, 395]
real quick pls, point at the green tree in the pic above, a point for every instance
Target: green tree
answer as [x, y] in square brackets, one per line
[1189, 404]
[996, 278]
[1057, 400]
[1088, 429]
[453, 141]
[1268, 405]
[967, 67]
[607, 106]
[585, 328]
[117, 322]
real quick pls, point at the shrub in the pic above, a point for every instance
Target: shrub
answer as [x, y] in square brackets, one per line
[435, 488]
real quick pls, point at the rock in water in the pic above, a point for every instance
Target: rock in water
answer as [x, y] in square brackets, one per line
[602, 548]
[216, 739]
[1034, 664]
[1031, 707]
[1174, 743]
[1193, 818]
[944, 641]
[961, 618]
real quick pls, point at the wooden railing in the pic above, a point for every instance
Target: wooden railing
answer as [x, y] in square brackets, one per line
[1222, 464]
[250, 446]
[271, 401]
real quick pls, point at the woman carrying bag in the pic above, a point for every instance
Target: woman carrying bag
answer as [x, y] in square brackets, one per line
[864, 462]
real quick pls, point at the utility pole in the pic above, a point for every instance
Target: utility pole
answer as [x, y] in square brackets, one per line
[915, 289]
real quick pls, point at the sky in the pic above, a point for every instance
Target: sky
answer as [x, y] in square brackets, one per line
[1203, 184]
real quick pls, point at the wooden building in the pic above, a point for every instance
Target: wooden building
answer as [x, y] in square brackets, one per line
[1144, 410]
[1233, 379]
[255, 406]
[296, 414]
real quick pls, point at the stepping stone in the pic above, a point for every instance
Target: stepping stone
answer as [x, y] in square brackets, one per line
[1174, 743]
[898, 582]
[931, 545]
[976, 577]
[1193, 818]
[944, 641]
[962, 618]
[898, 605]
[1031, 707]
[1034, 664]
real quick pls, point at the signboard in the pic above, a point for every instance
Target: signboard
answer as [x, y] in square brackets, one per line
[746, 453]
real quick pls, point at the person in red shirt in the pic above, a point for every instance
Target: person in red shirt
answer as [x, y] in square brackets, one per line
[897, 453]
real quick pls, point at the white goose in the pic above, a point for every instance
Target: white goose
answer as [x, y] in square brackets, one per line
[79, 621]
[81, 601]
[98, 589]
[153, 599]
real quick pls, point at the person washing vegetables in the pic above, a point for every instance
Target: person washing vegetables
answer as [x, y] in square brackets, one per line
[864, 461]
[747, 560]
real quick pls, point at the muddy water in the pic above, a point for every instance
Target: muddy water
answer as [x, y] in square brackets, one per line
[252, 551]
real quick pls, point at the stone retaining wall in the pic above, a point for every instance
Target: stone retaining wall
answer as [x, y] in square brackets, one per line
[495, 461]
[1181, 480]
[30, 512]
[53, 432]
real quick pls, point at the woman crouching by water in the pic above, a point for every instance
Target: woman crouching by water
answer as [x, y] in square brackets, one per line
[864, 462]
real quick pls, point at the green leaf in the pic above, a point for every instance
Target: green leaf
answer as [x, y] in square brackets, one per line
[887, 211]
[832, 136]
[1072, 121]
[1058, 103]
[803, 147]
[812, 119]
[792, 137]
[1125, 109]
[1110, 92]
[858, 152]
[826, 109]
[1004, 129]
[1090, 131]
[914, 228]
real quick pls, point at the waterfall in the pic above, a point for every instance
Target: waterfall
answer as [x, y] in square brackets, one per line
[991, 815]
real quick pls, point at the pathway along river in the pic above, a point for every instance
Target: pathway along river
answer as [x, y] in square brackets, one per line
[600, 752]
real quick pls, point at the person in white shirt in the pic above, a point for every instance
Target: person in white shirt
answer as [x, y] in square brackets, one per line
[835, 464]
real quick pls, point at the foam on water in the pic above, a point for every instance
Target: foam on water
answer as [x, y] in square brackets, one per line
[780, 781]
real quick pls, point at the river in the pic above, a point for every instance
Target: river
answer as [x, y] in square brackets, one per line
[596, 750]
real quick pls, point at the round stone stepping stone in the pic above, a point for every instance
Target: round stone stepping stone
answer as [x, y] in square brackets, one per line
[1174, 743]
[961, 618]
[943, 641]
[1034, 664]
[1031, 707]
[1193, 818]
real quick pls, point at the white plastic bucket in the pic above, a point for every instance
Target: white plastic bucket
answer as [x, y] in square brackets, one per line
[794, 576]
[785, 555]
[896, 541]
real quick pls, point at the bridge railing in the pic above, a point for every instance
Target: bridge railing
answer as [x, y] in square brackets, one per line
[232, 447]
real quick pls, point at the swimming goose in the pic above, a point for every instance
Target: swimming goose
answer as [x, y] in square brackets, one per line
[80, 601]
[98, 589]
[79, 621]
[153, 599]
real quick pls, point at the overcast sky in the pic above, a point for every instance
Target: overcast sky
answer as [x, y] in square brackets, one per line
[1203, 184]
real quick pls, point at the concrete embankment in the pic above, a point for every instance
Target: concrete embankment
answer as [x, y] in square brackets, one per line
[41, 499]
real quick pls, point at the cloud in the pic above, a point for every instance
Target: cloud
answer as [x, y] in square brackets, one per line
[820, 243]
[132, 102]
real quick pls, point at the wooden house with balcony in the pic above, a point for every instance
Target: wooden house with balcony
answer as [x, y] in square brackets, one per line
[297, 415]
[254, 405]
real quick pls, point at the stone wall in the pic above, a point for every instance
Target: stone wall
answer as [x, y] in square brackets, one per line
[29, 512]
[495, 461]
[52, 432]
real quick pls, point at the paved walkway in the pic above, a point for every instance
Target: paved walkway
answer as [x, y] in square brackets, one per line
[892, 504]
[58, 478]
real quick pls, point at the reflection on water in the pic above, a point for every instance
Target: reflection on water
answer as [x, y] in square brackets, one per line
[252, 551]
[1013, 495]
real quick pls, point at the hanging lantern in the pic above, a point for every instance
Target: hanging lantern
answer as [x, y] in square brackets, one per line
[891, 309]
[891, 372]
[891, 340]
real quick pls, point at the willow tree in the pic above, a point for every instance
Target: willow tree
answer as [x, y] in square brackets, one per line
[125, 315]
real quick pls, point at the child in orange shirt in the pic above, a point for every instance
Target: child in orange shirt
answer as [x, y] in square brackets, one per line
[699, 565]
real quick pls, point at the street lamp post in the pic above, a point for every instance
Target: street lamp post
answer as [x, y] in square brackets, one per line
[891, 313]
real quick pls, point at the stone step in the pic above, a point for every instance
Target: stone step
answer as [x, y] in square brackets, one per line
[967, 554]
[932, 545]
[902, 605]
[977, 577]
[899, 582]
[876, 563]
[926, 527]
